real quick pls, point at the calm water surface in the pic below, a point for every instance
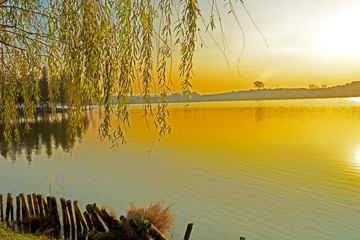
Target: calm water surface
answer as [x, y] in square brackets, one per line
[286, 169]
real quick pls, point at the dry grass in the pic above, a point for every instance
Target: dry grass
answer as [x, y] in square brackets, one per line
[162, 218]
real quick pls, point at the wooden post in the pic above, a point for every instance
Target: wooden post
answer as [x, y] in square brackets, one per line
[133, 225]
[88, 220]
[78, 222]
[73, 233]
[41, 201]
[2, 218]
[154, 232]
[242, 238]
[67, 233]
[142, 231]
[65, 214]
[18, 214]
[18, 205]
[31, 204]
[188, 231]
[45, 205]
[7, 211]
[123, 219]
[12, 209]
[115, 223]
[55, 212]
[36, 204]
[81, 235]
[71, 213]
[105, 217]
[95, 218]
[9, 208]
[24, 207]
[79, 215]
[48, 208]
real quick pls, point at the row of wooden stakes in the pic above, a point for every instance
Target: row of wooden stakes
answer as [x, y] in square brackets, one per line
[34, 206]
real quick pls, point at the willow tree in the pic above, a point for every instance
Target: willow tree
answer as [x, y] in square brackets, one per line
[98, 49]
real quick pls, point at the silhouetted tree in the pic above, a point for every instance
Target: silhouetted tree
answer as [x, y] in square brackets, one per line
[259, 84]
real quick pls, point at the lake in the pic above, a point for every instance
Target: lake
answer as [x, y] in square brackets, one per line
[285, 169]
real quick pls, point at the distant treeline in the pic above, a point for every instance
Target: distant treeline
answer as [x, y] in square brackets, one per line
[348, 90]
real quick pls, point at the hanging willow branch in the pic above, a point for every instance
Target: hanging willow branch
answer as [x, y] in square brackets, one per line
[93, 51]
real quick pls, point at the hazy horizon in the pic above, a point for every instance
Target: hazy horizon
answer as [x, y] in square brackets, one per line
[310, 43]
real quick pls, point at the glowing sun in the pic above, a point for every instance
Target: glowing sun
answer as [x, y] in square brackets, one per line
[341, 34]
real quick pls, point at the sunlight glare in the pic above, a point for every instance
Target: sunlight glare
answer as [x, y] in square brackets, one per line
[341, 34]
[354, 99]
[357, 158]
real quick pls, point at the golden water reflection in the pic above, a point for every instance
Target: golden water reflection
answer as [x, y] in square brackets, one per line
[326, 130]
[284, 169]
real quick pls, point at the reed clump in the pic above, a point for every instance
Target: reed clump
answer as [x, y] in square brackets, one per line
[158, 215]
[140, 222]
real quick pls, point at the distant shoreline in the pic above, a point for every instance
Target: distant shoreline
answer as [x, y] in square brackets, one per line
[342, 91]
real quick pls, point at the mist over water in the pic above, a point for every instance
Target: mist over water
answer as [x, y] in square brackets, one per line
[286, 169]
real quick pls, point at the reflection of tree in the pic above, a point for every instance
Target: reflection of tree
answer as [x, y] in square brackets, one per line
[46, 133]
[259, 114]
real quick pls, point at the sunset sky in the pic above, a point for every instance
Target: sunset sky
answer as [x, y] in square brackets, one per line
[311, 42]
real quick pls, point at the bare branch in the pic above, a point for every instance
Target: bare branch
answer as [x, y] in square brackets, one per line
[12, 46]
[25, 10]
[248, 13]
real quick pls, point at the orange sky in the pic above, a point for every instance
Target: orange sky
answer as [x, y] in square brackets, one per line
[311, 42]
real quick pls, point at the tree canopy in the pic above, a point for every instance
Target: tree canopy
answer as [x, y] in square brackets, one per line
[76, 52]
[259, 84]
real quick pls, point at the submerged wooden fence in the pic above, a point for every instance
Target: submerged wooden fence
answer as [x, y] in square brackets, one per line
[35, 214]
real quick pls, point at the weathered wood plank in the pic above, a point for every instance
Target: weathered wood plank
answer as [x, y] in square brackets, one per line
[71, 213]
[55, 211]
[133, 225]
[88, 220]
[142, 230]
[79, 214]
[45, 205]
[48, 208]
[52, 213]
[105, 217]
[24, 206]
[12, 209]
[95, 218]
[9, 214]
[41, 202]
[31, 204]
[65, 214]
[188, 231]
[123, 219]
[78, 222]
[18, 209]
[2, 216]
[155, 233]
[115, 223]
[36, 205]
[67, 233]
